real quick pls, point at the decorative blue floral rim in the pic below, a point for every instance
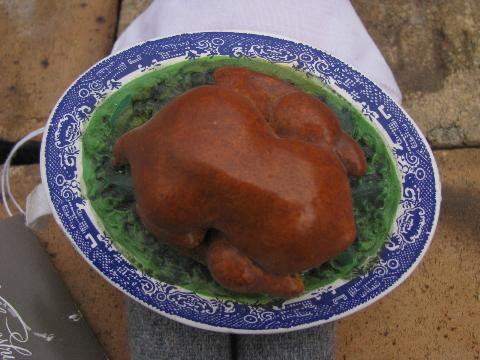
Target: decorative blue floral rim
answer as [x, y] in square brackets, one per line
[409, 238]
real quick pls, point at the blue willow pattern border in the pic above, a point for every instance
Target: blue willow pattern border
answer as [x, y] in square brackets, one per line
[408, 240]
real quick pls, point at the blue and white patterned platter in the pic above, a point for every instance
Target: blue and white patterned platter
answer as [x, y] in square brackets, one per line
[406, 244]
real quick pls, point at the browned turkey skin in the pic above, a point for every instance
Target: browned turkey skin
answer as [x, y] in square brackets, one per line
[263, 164]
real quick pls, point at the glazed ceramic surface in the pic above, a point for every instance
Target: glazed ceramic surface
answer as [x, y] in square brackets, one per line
[406, 244]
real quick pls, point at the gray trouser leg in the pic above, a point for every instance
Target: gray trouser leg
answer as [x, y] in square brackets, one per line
[154, 337]
[317, 343]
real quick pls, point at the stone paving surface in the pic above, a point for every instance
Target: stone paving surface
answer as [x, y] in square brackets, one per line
[46, 44]
[435, 314]
[129, 11]
[433, 49]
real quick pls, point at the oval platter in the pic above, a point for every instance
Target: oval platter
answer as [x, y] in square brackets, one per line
[406, 244]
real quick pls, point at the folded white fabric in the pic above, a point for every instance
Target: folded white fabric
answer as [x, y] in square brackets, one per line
[330, 25]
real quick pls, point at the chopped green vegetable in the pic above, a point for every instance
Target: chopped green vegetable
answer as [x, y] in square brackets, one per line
[375, 196]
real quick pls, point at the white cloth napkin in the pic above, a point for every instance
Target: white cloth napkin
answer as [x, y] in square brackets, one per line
[330, 25]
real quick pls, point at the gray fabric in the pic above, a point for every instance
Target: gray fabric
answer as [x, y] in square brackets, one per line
[38, 317]
[154, 337]
[317, 343]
